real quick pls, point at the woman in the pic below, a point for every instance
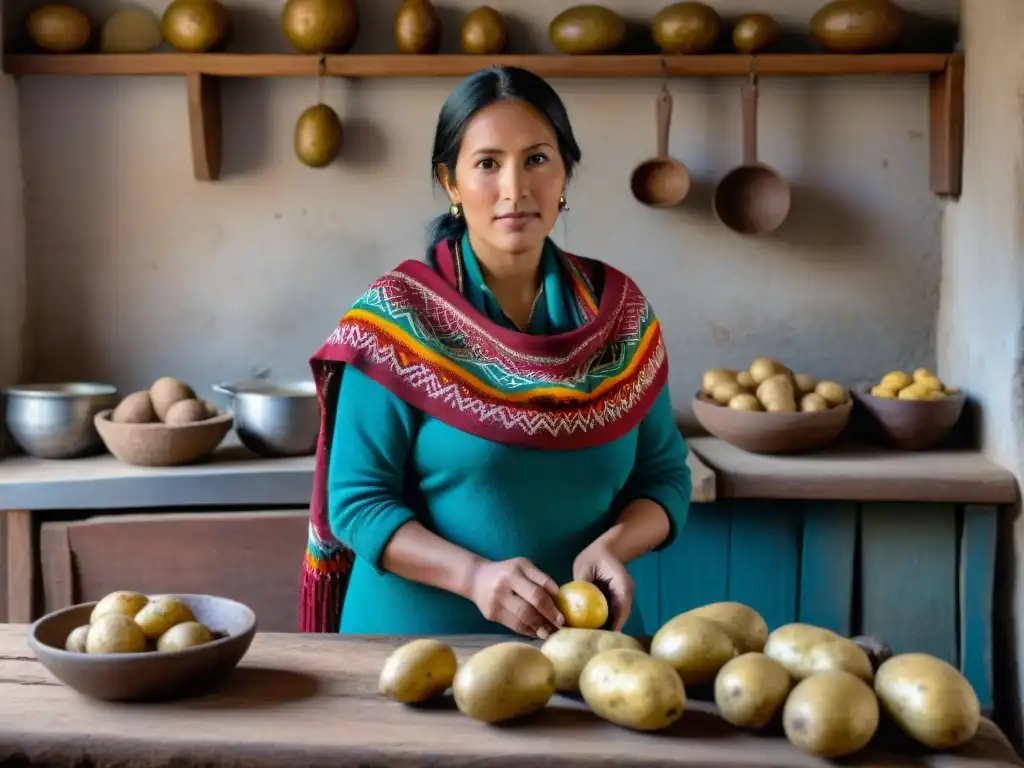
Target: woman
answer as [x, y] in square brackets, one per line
[496, 419]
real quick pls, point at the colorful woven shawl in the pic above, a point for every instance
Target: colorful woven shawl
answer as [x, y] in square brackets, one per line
[414, 332]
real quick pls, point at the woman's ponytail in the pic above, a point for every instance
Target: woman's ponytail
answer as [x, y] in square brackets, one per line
[444, 227]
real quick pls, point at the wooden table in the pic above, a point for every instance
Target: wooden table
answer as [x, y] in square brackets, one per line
[310, 700]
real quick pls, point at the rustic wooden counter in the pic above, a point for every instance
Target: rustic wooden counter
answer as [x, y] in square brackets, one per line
[859, 472]
[311, 700]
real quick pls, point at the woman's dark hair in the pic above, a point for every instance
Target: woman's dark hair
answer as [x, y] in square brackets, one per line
[479, 90]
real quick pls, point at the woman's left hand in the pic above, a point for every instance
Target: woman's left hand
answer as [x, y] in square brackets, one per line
[599, 566]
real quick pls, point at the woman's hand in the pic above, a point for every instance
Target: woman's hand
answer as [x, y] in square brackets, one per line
[519, 595]
[599, 566]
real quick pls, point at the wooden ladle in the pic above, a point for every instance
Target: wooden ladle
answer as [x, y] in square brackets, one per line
[752, 199]
[661, 181]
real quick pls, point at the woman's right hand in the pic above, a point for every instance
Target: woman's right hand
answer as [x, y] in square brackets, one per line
[518, 595]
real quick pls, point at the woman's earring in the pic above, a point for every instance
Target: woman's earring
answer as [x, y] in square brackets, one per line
[562, 204]
[455, 210]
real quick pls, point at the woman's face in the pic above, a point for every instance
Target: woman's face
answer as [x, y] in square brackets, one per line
[509, 177]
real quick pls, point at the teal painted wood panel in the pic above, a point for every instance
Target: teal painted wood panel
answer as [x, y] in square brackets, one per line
[908, 577]
[695, 567]
[647, 589]
[977, 590]
[764, 558]
[827, 565]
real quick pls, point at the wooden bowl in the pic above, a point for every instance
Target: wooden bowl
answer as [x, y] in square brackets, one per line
[146, 676]
[911, 425]
[761, 432]
[162, 445]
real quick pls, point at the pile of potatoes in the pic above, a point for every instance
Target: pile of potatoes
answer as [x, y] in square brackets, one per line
[827, 691]
[130, 622]
[768, 385]
[922, 384]
[169, 400]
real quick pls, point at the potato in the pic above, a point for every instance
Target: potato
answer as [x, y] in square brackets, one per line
[877, 649]
[714, 377]
[834, 394]
[765, 367]
[951, 390]
[916, 392]
[750, 690]
[812, 402]
[417, 671]
[633, 690]
[504, 681]
[162, 613]
[745, 380]
[123, 602]
[777, 394]
[114, 633]
[136, 408]
[929, 700]
[76, 640]
[571, 648]
[166, 391]
[725, 391]
[188, 634]
[745, 402]
[693, 646]
[132, 30]
[895, 380]
[743, 624]
[879, 391]
[831, 715]
[930, 383]
[582, 604]
[805, 650]
[185, 412]
[804, 383]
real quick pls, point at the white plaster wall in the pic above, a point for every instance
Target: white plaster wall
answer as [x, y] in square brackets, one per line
[981, 318]
[136, 270]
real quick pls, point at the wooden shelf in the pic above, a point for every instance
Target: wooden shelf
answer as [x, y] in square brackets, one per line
[203, 71]
[397, 65]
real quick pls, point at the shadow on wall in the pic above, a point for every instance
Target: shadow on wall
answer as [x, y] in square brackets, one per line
[819, 219]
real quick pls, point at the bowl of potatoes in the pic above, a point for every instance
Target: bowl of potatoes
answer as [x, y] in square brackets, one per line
[130, 646]
[769, 409]
[913, 411]
[165, 425]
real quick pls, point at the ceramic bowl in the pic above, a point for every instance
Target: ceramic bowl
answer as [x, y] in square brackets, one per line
[162, 445]
[761, 432]
[152, 675]
[910, 425]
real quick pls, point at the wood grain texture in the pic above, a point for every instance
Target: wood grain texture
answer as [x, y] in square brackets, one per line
[977, 593]
[695, 567]
[252, 557]
[311, 700]
[908, 577]
[392, 65]
[20, 566]
[764, 558]
[232, 476]
[827, 565]
[860, 473]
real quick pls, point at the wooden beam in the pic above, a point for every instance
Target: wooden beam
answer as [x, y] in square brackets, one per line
[20, 566]
[946, 116]
[204, 122]
[458, 65]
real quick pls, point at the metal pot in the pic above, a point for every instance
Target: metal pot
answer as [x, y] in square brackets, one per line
[275, 420]
[55, 421]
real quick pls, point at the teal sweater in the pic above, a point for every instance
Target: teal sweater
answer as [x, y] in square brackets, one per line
[391, 463]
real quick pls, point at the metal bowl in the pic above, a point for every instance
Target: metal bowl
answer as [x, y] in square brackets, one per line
[275, 420]
[55, 421]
